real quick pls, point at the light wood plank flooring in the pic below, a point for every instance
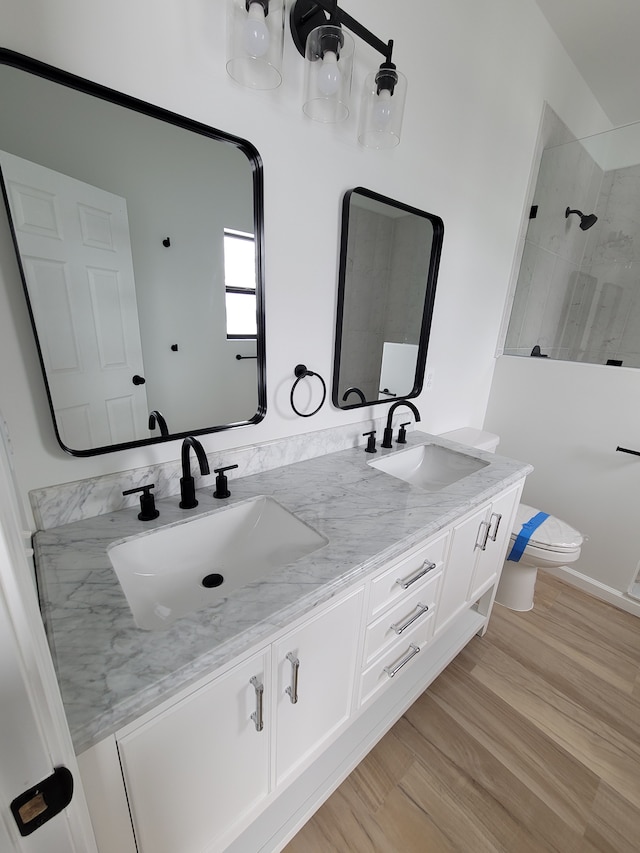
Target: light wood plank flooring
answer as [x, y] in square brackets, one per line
[528, 741]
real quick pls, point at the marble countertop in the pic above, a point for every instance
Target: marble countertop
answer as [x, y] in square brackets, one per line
[110, 671]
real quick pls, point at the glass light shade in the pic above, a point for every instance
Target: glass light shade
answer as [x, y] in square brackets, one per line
[328, 72]
[254, 42]
[381, 113]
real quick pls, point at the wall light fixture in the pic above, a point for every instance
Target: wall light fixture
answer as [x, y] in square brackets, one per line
[255, 36]
[318, 29]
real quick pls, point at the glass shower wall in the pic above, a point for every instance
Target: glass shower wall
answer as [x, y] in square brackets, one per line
[578, 292]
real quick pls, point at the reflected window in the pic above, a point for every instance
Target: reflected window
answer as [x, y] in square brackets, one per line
[240, 284]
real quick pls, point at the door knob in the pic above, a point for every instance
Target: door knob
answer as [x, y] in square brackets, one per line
[138, 380]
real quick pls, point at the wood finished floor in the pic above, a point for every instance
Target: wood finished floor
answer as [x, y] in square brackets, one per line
[528, 741]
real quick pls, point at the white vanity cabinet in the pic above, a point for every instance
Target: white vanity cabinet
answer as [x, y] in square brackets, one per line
[478, 545]
[202, 775]
[195, 769]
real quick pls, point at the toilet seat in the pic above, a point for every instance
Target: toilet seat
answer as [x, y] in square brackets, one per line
[553, 535]
[553, 543]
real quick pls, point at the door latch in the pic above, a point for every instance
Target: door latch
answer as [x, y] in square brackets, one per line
[44, 801]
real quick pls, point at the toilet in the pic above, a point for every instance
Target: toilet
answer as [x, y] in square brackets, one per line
[538, 540]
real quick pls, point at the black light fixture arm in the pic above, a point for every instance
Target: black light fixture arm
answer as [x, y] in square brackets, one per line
[306, 15]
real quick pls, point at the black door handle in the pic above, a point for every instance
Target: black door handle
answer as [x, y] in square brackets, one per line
[138, 380]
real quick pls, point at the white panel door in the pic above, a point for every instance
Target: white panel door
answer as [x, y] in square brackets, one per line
[75, 248]
[34, 738]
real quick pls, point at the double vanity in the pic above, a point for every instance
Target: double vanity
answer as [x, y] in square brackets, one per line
[211, 658]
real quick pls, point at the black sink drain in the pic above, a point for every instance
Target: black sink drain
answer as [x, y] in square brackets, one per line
[211, 581]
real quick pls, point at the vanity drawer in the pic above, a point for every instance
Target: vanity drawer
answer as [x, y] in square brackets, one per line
[412, 609]
[399, 581]
[397, 658]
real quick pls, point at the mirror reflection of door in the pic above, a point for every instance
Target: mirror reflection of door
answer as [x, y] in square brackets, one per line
[74, 244]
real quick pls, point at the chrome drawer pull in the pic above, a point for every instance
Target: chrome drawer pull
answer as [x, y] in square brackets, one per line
[392, 670]
[399, 627]
[482, 545]
[405, 583]
[498, 518]
[257, 714]
[292, 691]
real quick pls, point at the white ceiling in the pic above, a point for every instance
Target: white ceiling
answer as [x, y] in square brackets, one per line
[602, 37]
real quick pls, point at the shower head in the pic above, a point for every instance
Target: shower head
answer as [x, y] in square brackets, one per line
[586, 219]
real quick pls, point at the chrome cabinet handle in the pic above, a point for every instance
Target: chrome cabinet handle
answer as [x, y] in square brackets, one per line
[405, 583]
[392, 670]
[483, 546]
[498, 518]
[257, 714]
[399, 627]
[292, 691]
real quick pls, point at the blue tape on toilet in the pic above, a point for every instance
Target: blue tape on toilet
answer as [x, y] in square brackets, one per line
[526, 532]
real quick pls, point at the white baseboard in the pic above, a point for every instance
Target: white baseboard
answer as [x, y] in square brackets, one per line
[599, 590]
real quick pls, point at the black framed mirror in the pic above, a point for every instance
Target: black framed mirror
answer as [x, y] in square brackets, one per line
[389, 258]
[140, 241]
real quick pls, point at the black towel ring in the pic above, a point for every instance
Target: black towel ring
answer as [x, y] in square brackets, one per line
[300, 372]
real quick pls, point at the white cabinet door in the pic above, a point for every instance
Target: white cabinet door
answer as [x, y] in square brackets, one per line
[195, 770]
[314, 671]
[491, 554]
[466, 538]
[478, 546]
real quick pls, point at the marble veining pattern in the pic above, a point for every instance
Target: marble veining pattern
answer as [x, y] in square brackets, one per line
[110, 671]
[61, 504]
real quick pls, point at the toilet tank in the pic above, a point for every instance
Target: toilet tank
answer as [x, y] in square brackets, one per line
[477, 438]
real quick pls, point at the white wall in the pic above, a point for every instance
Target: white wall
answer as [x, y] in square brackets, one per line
[478, 76]
[567, 419]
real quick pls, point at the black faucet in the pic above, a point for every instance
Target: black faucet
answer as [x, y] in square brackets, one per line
[187, 483]
[148, 509]
[388, 430]
[354, 390]
[222, 486]
[157, 417]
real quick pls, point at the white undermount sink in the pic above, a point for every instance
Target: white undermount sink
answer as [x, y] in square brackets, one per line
[184, 567]
[429, 466]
